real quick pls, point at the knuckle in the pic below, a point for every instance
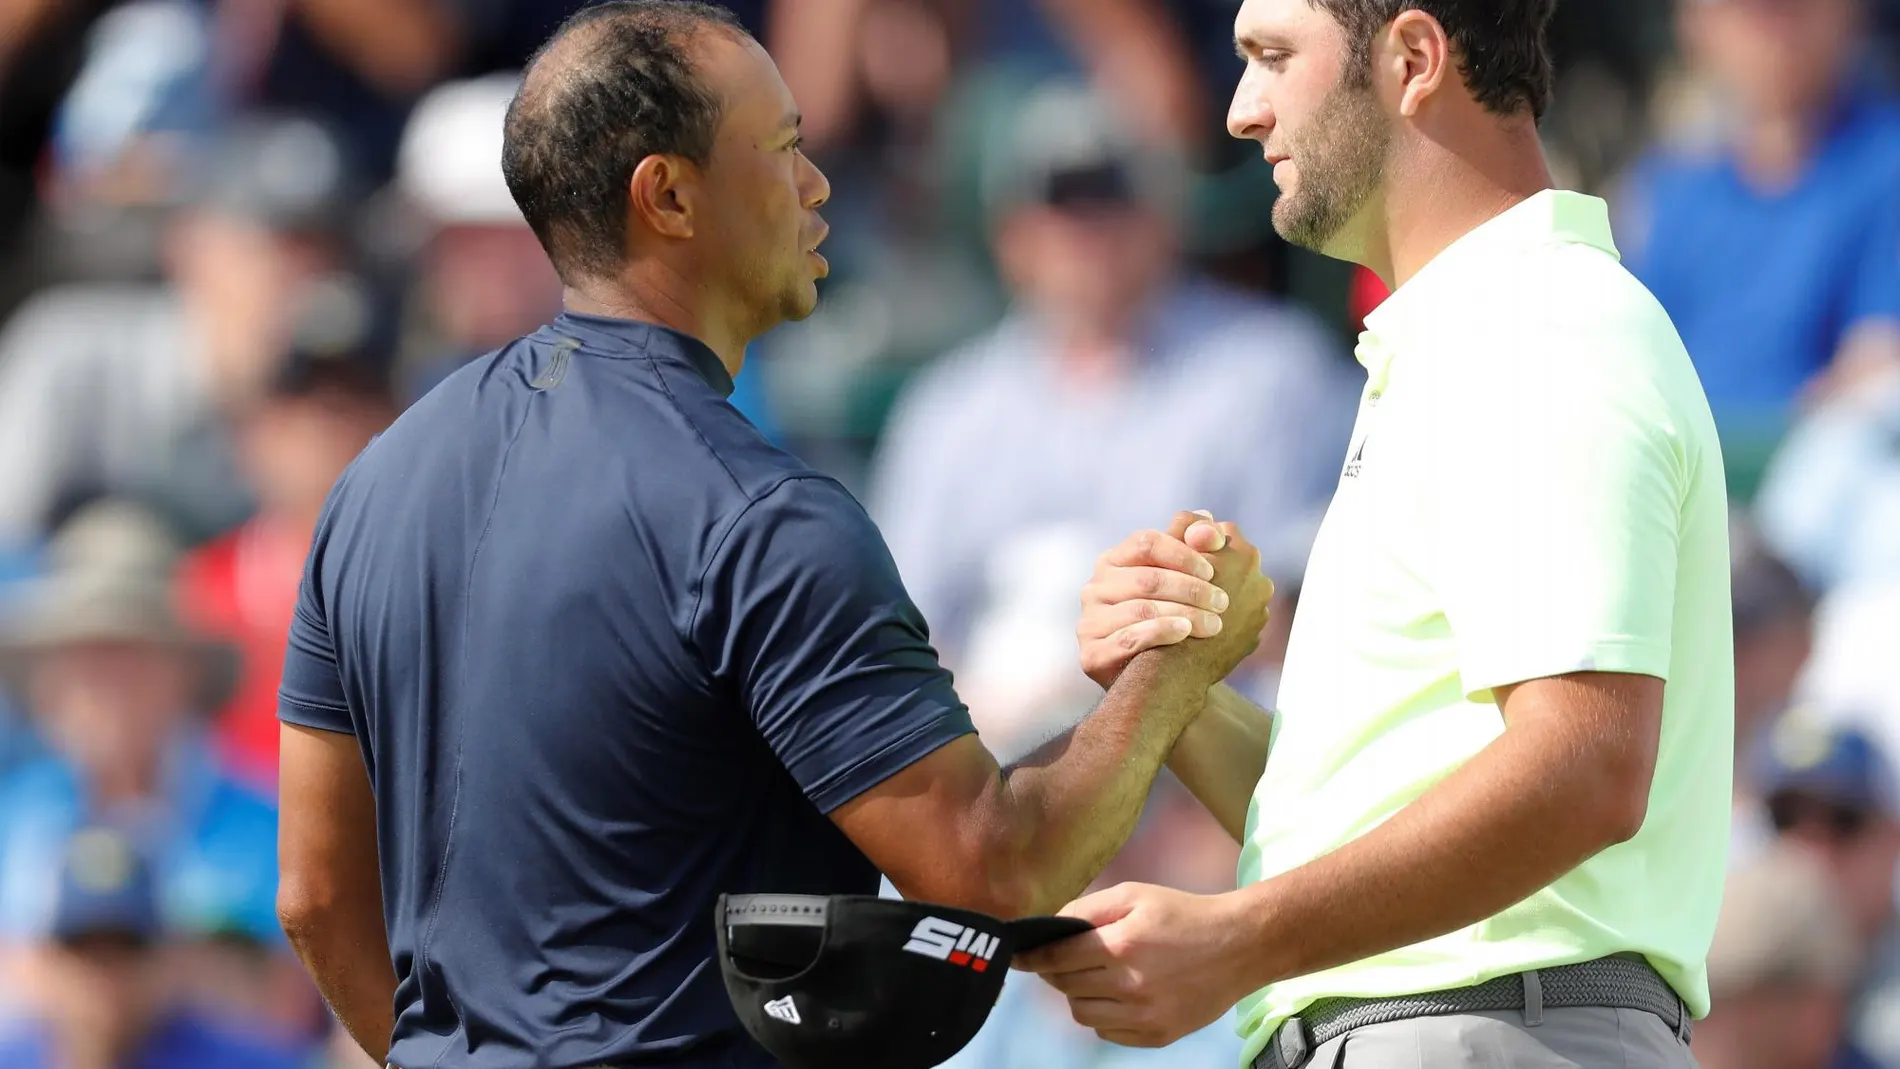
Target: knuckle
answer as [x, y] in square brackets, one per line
[1148, 581]
[1146, 610]
[1129, 640]
[1144, 542]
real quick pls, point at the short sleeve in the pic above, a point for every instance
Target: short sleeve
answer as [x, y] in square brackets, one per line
[311, 693]
[1556, 493]
[801, 613]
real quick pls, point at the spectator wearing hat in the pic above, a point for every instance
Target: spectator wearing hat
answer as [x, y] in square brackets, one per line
[123, 388]
[103, 995]
[1830, 790]
[1008, 462]
[118, 685]
[483, 278]
[328, 398]
[1781, 967]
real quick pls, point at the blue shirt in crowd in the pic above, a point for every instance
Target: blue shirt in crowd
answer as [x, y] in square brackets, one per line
[608, 654]
[1765, 285]
[213, 838]
[182, 1042]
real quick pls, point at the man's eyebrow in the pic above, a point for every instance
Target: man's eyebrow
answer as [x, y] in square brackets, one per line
[1249, 45]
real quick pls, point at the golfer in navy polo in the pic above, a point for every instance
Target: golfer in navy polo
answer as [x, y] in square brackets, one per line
[577, 650]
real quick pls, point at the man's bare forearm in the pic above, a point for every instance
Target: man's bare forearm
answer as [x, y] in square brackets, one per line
[1520, 814]
[1222, 755]
[349, 961]
[1077, 799]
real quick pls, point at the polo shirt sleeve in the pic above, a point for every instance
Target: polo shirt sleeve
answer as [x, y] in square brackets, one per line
[1555, 494]
[311, 693]
[802, 616]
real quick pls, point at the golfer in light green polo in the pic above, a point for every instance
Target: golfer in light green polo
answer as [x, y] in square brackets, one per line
[1487, 823]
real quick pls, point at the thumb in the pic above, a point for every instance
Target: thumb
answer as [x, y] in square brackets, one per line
[1206, 536]
[1103, 907]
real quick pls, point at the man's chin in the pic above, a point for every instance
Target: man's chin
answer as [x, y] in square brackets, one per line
[1303, 232]
[800, 305]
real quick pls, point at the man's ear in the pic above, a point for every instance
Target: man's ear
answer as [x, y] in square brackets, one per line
[664, 195]
[1416, 54]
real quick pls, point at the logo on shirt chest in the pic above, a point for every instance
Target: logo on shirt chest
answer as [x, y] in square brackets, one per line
[1358, 457]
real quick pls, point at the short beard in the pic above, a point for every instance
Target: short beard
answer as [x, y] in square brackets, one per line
[1341, 160]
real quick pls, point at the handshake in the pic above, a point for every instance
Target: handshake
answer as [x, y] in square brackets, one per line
[1198, 580]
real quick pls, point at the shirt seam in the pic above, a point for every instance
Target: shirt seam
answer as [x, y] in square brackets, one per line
[427, 944]
[820, 792]
[719, 544]
[660, 377]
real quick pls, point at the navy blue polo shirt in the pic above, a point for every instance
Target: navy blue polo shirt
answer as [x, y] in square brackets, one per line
[608, 653]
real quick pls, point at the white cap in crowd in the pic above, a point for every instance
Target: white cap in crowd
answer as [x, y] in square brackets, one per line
[450, 162]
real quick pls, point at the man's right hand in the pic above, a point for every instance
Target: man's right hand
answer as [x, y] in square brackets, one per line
[1197, 579]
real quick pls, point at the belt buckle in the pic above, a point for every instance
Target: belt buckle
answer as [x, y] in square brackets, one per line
[1293, 1043]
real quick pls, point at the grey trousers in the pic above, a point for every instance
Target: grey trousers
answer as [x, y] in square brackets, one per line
[1580, 1038]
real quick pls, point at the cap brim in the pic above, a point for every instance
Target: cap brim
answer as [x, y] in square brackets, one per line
[1034, 933]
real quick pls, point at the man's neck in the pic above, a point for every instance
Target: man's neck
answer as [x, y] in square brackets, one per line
[1774, 148]
[657, 294]
[1448, 190]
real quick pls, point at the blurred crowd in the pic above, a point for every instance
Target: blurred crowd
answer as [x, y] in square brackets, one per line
[238, 237]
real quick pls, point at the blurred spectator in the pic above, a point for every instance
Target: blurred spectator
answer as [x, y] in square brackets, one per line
[101, 988]
[1830, 497]
[1773, 620]
[1830, 792]
[1118, 391]
[484, 280]
[121, 389]
[1776, 249]
[119, 685]
[1783, 960]
[325, 403]
[1177, 844]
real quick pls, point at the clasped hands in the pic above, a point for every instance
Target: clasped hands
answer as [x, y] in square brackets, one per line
[1162, 964]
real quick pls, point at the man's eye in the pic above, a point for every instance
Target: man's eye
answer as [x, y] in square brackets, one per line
[1274, 61]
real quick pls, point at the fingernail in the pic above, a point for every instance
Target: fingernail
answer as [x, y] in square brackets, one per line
[1204, 570]
[1212, 625]
[1220, 600]
[1181, 625]
[1204, 512]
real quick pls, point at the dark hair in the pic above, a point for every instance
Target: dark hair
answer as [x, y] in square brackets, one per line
[1502, 48]
[619, 87]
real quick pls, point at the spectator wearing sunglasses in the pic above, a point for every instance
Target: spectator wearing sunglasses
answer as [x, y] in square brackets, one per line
[1831, 790]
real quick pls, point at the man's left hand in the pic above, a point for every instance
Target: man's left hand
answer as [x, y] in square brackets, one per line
[1161, 964]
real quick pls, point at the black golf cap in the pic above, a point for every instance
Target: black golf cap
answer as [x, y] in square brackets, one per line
[860, 982]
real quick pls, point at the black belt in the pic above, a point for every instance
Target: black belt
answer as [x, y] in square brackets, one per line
[1625, 982]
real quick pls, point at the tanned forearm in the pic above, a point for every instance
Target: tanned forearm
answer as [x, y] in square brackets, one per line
[1075, 801]
[1222, 755]
[349, 961]
[1529, 808]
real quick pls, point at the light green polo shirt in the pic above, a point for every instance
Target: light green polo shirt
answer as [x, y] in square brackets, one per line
[1533, 488]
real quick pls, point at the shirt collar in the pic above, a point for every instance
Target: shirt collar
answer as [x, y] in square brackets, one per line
[1453, 279]
[614, 337]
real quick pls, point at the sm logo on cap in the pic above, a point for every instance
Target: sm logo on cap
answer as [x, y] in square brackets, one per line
[937, 938]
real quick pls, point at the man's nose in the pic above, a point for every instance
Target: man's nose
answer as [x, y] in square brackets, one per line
[1249, 116]
[814, 186]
